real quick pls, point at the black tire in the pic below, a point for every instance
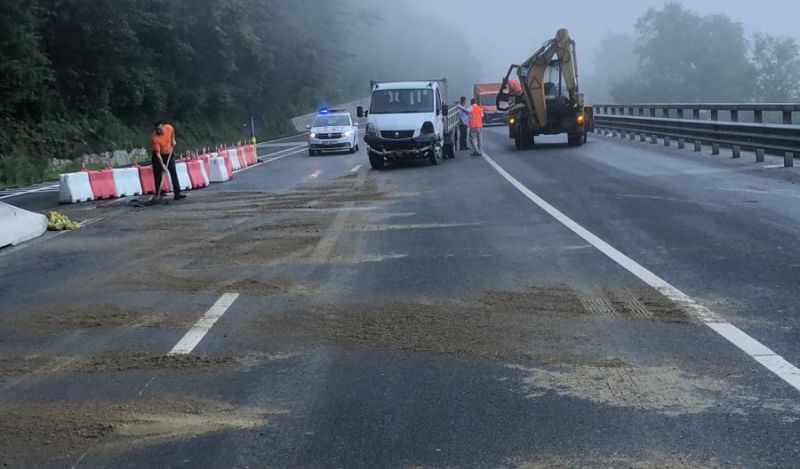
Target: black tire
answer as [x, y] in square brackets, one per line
[576, 139]
[376, 161]
[353, 149]
[434, 156]
[311, 152]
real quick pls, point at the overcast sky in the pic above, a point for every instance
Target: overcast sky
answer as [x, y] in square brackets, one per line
[504, 31]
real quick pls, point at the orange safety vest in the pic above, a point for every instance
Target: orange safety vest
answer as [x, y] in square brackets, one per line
[476, 117]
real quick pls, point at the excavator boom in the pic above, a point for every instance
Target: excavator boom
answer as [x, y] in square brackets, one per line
[532, 71]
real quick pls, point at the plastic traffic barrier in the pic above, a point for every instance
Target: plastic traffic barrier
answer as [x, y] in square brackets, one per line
[102, 182]
[253, 154]
[183, 176]
[197, 174]
[234, 159]
[148, 181]
[20, 225]
[219, 169]
[205, 158]
[242, 158]
[74, 188]
[127, 181]
[228, 164]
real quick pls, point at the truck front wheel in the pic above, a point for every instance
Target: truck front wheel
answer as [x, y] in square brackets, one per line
[376, 161]
[577, 139]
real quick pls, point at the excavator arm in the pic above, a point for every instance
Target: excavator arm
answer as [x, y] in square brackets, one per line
[531, 73]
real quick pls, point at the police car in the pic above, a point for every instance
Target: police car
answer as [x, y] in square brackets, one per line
[332, 131]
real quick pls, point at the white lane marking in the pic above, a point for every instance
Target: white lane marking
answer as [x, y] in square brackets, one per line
[51, 188]
[356, 168]
[278, 145]
[772, 166]
[315, 174]
[270, 160]
[189, 341]
[753, 348]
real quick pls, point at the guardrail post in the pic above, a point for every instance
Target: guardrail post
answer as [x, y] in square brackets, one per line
[715, 148]
[760, 155]
[788, 160]
[652, 112]
[758, 117]
[667, 141]
[734, 116]
[696, 114]
[680, 113]
[653, 139]
[642, 138]
[737, 151]
[698, 145]
[714, 115]
[681, 143]
[787, 117]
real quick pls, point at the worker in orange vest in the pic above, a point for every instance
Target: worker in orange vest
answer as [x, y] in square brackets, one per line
[475, 126]
[163, 145]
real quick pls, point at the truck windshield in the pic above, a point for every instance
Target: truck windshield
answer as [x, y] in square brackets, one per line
[331, 121]
[489, 99]
[402, 101]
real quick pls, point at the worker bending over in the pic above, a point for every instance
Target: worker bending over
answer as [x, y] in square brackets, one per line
[163, 146]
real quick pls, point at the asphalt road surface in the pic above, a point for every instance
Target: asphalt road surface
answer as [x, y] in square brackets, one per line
[513, 310]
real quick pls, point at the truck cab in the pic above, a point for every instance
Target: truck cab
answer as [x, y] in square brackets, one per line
[486, 95]
[408, 121]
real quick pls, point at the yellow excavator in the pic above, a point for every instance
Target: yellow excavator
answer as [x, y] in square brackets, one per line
[545, 97]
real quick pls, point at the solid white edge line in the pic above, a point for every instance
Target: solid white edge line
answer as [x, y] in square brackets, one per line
[271, 160]
[196, 334]
[51, 188]
[753, 348]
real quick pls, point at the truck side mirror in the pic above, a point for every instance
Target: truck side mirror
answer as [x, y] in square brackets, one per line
[360, 112]
[502, 101]
[445, 109]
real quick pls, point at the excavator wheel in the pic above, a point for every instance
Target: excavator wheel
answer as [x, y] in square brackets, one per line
[576, 139]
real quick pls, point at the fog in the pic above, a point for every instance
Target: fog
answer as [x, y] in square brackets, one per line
[496, 34]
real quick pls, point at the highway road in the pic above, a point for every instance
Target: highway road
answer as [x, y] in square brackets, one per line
[513, 310]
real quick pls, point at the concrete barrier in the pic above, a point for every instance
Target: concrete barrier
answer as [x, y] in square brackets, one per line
[20, 225]
[127, 182]
[74, 188]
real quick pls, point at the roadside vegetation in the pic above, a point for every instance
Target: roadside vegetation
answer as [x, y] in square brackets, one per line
[679, 56]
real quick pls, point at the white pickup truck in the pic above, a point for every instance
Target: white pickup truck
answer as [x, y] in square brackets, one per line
[409, 120]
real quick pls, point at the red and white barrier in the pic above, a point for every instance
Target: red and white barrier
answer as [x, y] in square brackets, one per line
[183, 176]
[197, 174]
[234, 158]
[74, 188]
[148, 181]
[102, 182]
[219, 169]
[127, 181]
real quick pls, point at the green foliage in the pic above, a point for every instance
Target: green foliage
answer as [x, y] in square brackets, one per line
[79, 76]
[685, 57]
[777, 65]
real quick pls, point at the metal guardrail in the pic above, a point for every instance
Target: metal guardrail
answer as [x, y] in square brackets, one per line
[668, 121]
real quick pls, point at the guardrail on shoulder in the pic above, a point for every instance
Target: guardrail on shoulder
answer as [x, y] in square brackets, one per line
[742, 126]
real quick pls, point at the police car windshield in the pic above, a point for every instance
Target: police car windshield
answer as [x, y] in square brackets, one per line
[402, 101]
[331, 121]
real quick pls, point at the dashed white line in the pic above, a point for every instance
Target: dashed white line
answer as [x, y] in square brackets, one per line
[753, 348]
[356, 168]
[315, 174]
[190, 340]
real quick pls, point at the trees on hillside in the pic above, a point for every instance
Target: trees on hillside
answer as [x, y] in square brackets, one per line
[686, 57]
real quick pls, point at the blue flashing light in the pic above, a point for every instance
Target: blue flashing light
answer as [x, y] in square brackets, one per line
[323, 111]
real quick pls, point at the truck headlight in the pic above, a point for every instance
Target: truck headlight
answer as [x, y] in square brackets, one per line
[312, 135]
[348, 133]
